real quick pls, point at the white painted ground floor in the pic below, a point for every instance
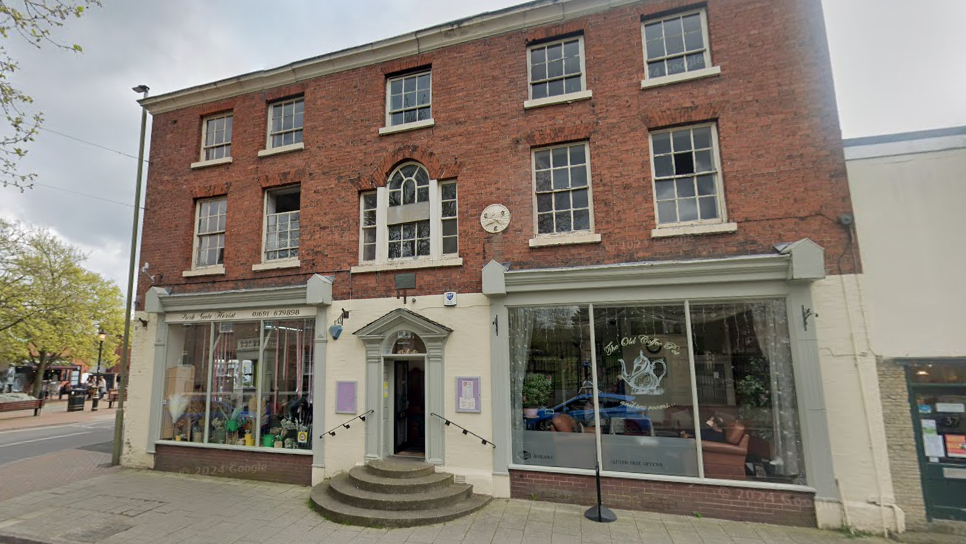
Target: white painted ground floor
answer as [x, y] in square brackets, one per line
[739, 388]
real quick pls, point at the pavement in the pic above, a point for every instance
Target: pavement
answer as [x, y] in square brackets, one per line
[139, 507]
[54, 413]
[42, 458]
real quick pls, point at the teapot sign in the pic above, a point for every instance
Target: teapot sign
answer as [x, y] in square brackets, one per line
[642, 378]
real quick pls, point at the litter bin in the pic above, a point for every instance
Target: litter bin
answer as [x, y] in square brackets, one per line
[75, 402]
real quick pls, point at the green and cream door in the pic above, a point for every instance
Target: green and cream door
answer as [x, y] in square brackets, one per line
[937, 393]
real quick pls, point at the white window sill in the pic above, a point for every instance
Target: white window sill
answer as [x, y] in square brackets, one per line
[213, 162]
[406, 264]
[274, 265]
[564, 240]
[406, 127]
[283, 149]
[686, 230]
[559, 99]
[207, 271]
[677, 78]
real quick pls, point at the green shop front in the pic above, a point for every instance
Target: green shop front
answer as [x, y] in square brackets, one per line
[681, 381]
[235, 383]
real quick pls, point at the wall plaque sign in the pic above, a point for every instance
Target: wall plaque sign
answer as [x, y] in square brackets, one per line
[345, 397]
[468, 394]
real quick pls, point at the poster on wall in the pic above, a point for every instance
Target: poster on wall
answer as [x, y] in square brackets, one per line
[468, 394]
[345, 397]
[956, 445]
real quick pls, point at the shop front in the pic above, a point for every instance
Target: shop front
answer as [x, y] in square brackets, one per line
[937, 395]
[682, 382]
[235, 381]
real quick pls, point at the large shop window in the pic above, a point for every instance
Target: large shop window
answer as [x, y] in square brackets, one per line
[727, 412]
[240, 384]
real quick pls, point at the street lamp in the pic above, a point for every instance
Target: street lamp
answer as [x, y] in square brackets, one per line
[132, 264]
[101, 335]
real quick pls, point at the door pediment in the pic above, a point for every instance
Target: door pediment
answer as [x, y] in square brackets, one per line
[402, 318]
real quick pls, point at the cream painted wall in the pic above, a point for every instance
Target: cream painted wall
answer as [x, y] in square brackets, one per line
[910, 223]
[467, 354]
[138, 408]
[857, 435]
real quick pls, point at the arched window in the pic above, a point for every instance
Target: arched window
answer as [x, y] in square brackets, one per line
[412, 217]
[408, 184]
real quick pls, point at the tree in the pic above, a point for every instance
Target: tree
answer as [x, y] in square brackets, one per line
[33, 21]
[50, 306]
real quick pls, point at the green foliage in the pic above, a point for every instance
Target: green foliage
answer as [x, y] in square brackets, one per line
[754, 398]
[50, 306]
[33, 22]
[536, 390]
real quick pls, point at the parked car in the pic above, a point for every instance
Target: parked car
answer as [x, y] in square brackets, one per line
[615, 416]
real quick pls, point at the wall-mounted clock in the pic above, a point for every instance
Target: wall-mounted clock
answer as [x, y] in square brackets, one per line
[495, 218]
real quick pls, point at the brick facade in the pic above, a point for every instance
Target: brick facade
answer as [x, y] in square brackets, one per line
[242, 464]
[735, 503]
[900, 437]
[780, 147]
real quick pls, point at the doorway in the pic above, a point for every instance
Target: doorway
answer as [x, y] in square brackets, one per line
[937, 393]
[409, 408]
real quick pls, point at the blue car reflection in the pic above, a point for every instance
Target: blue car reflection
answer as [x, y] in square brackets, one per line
[615, 416]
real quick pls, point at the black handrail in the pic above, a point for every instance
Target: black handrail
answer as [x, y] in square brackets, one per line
[465, 430]
[331, 432]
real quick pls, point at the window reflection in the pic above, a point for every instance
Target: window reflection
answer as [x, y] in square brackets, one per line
[645, 387]
[552, 387]
[644, 377]
[186, 383]
[746, 392]
[240, 383]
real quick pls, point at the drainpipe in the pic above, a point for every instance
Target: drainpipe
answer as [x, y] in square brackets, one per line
[876, 468]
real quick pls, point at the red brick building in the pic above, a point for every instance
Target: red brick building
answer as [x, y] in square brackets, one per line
[521, 200]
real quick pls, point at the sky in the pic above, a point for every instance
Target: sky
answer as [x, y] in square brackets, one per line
[897, 66]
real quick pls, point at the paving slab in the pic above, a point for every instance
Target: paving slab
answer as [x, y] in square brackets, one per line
[127, 506]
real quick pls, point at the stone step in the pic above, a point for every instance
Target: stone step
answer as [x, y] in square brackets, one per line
[400, 469]
[341, 489]
[339, 512]
[363, 478]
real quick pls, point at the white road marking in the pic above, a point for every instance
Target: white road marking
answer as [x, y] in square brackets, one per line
[39, 439]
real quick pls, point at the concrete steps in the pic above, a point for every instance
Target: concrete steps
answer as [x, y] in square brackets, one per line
[392, 493]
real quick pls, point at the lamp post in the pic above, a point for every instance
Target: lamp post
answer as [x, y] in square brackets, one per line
[101, 335]
[132, 264]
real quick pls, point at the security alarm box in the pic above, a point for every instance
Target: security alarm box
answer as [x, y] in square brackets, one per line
[449, 298]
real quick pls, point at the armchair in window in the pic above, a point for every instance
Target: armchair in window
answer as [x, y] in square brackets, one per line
[726, 460]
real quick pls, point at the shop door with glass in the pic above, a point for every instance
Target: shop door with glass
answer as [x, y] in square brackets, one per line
[938, 394]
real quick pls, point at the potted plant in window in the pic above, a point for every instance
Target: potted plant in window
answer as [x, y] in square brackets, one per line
[536, 393]
[218, 433]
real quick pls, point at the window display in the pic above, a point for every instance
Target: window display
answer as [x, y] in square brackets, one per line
[186, 383]
[675, 389]
[243, 383]
[287, 385]
[644, 384]
[552, 388]
[746, 390]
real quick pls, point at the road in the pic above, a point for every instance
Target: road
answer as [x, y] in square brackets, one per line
[18, 445]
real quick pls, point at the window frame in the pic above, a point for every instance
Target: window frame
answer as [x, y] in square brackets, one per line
[204, 137]
[196, 238]
[389, 127]
[709, 68]
[722, 218]
[583, 71]
[269, 148]
[267, 263]
[574, 236]
[381, 260]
